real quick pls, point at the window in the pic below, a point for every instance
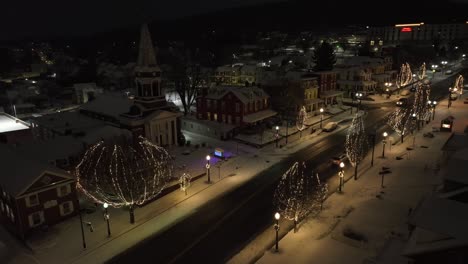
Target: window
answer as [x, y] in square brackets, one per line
[36, 218]
[237, 108]
[63, 190]
[3, 206]
[215, 117]
[208, 115]
[32, 200]
[66, 208]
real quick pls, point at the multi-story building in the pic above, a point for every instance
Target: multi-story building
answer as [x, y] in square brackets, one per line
[327, 87]
[14, 130]
[355, 78]
[33, 195]
[418, 33]
[222, 109]
[236, 75]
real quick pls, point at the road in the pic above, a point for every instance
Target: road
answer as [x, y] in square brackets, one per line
[248, 208]
[222, 227]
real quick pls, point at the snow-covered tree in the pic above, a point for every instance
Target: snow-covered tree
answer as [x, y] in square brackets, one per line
[421, 108]
[320, 193]
[184, 182]
[356, 144]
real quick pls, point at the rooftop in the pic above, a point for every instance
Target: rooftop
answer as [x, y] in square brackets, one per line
[112, 105]
[9, 123]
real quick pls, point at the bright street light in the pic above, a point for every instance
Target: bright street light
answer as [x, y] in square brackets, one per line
[277, 227]
[384, 141]
[106, 216]
[341, 176]
[208, 167]
[321, 117]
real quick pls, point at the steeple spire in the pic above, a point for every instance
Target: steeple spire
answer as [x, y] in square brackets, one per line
[146, 55]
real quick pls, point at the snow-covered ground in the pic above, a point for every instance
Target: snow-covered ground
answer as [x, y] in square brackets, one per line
[377, 214]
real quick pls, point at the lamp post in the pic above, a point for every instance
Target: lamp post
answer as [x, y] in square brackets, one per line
[82, 229]
[341, 175]
[277, 135]
[321, 117]
[384, 141]
[434, 104]
[106, 216]
[358, 96]
[208, 167]
[373, 147]
[277, 227]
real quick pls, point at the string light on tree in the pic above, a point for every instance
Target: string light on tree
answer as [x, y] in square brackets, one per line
[422, 71]
[459, 84]
[123, 173]
[421, 97]
[184, 182]
[400, 121]
[356, 144]
[293, 196]
[405, 75]
[301, 119]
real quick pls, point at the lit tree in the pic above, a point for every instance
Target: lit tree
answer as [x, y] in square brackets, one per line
[184, 182]
[421, 97]
[400, 121]
[459, 84]
[294, 194]
[422, 71]
[300, 120]
[321, 192]
[124, 173]
[356, 144]
[405, 75]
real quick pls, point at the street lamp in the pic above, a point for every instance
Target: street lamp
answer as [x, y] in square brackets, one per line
[277, 227]
[321, 117]
[384, 141]
[208, 167]
[341, 175]
[434, 104]
[106, 216]
[372, 135]
[277, 135]
[415, 119]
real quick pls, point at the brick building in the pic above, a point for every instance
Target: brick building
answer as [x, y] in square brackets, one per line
[327, 87]
[33, 195]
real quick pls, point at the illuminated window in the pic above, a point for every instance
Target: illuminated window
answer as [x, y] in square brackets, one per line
[372, 43]
[380, 42]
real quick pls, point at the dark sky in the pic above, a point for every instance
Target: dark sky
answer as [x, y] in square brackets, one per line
[21, 18]
[36, 17]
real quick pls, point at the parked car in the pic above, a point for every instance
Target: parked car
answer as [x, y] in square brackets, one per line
[448, 72]
[402, 102]
[338, 159]
[330, 126]
[413, 89]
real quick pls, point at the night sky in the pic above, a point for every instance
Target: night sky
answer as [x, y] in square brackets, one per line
[79, 17]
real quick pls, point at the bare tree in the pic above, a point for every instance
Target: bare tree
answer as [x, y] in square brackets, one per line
[356, 144]
[294, 194]
[187, 74]
[124, 174]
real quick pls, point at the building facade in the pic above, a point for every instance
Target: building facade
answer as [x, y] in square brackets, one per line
[236, 75]
[34, 196]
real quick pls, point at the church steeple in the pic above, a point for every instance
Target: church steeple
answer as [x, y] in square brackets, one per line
[146, 55]
[150, 95]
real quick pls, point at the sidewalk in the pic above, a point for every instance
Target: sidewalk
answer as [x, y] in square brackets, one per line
[161, 214]
[367, 211]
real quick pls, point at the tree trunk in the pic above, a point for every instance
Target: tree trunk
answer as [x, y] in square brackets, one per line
[355, 171]
[132, 214]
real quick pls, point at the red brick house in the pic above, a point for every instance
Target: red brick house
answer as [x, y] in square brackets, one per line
[327, 86]
[33, 195]
[238, 106]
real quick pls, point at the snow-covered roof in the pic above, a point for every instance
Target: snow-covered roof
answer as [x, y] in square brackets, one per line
[71, 120]
[442, 216]
[104, 132]
[109, 104]
[18, 171]
[440, 225]
[9, 123]
[245, 94]
[57, 148]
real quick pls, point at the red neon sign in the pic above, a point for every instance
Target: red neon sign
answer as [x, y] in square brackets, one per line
[406, 29]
